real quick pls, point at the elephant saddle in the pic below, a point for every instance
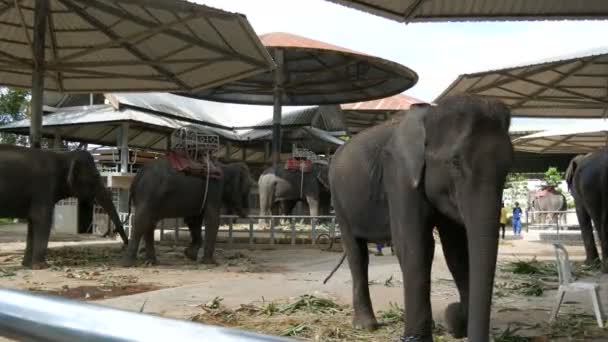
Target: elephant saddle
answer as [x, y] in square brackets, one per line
[299, 165]
[182, 163]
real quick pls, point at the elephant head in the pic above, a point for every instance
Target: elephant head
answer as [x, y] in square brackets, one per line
[457, 156]
[237, 187]
[85, 183]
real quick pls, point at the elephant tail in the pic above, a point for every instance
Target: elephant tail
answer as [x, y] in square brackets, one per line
[335, 268]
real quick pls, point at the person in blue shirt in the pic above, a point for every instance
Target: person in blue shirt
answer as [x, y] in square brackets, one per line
[517, 220]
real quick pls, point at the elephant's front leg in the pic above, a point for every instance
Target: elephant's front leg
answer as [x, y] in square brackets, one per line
[142, 223]
[194, 226]
[29, 245]
[454, 243]
[584, 220]
[212, 225]
[41, 222]
[150, 249]
[412, 231]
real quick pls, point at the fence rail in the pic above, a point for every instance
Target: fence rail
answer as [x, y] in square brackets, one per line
[29, 317]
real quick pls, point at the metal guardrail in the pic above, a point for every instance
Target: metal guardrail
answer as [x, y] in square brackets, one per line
[555, 224]
[29, 317]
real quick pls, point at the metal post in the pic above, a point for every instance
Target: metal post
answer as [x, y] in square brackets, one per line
[57, 142]
[276, 116]
[557, 229]
[124, 147]
[267, 154]
[244, 153]
[292, 223]
[230, 227]
[176, 237]
[272, 231]
[90, 99]
[162, 229]
[251, 232]
[41, 8]
[228, 151]
[313, 224]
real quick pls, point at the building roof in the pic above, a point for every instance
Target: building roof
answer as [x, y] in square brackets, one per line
[572, 86]
[480, 10]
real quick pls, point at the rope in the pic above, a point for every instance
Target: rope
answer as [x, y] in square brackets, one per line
[206, 184]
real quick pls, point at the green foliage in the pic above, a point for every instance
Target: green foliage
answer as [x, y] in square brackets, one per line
[516, 188]
[553, 178]
[13, 104]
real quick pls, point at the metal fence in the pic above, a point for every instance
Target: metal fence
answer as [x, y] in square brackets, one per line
[29, 317]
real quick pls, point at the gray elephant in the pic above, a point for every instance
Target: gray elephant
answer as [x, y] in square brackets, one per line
[442, 166]
[32, 181]
[159, 191]
[587, 179]
[286, 188]
[549, 201]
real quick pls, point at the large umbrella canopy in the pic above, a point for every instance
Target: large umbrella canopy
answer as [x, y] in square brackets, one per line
[311, 72]
[122, 45]
[581, 137]
[569, 86]
[478, 10]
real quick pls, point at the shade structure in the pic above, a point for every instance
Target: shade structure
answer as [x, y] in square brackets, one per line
[572, 86]
[361, 115]
[582, 137]
[122, 45]
[311, 72]
[479, 10]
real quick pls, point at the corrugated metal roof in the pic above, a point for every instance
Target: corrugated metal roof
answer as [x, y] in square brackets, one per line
[99, 124]
[396, 102]
[317, 73]
[480, 10]
[327, 118]
[567, 86]
[130, 45]
[577, 138]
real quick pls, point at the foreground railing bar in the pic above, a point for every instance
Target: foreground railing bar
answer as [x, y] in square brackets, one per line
[29, 317]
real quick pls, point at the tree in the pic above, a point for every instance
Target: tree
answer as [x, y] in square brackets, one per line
[13, 104]
[516, 188]
[553, 178]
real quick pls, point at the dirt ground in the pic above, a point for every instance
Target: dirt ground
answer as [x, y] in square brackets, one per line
[86, 268]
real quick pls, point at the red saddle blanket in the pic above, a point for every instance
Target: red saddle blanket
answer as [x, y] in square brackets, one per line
[181, 163]
[299, 165]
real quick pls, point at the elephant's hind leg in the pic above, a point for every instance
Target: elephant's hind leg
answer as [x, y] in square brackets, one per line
[584, 221]
[150, 249]
[454, 243]
[41, 222]
[142, 224]
[29, 244]
[194, 226]
[358, 262]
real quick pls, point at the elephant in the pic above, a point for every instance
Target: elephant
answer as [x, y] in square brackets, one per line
[587, 179]
[547, 201]
[159, 191]
[287, 188]
[442, 166]
[32, 181]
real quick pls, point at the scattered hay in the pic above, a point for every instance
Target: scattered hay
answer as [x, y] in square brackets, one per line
[82, 256]
[531, 267]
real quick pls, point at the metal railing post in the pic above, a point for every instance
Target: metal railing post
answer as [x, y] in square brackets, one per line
[313, 227]
[272, 230]
[292, 223]
[176, 233]
[230, 227]
[251, 232]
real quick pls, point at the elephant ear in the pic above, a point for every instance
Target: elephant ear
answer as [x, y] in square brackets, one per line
[409, 142]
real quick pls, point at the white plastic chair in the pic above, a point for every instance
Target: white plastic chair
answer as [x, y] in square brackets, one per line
[568, 283]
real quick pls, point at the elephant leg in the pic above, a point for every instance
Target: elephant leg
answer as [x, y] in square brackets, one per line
[29, 245]
[142, 223]
[212, 225]
[598, 222]
[454, 243]
[150, 249]
[413, 233]
[41, 218]
[358, 262]
[584, 220]
[194, 226]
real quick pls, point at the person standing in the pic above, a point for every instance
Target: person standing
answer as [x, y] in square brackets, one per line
[503, 218]
[517, 220]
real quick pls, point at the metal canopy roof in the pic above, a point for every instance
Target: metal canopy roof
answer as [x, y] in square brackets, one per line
[572, 86]
[582, 137]
[129, 45]
[316, 73]
[362, 115]
[480, 10]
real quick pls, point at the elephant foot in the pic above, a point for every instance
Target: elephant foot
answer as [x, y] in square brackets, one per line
[456, 320]
[27, 262]
[127, 262]
[369, 323]
[39, 265]
[593, 263]
[191, 253]
[208, 261]
[416, 338]
[151, 261]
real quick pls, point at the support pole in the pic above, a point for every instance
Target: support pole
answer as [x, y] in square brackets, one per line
[124, 148]
[41, 8]
[276, 117]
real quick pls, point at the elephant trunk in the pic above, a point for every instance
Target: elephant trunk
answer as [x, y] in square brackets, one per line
[103, 198]
[482, 232]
